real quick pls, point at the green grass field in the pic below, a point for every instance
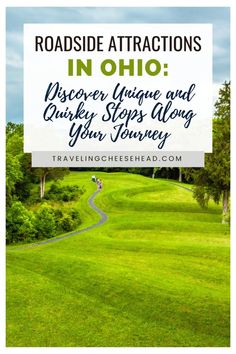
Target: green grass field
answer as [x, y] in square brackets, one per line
[155, 274]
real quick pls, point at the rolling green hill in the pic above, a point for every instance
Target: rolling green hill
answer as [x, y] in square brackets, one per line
[155, 274]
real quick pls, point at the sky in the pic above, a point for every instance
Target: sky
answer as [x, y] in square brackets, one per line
[17, 16]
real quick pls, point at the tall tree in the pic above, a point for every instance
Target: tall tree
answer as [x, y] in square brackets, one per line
[154, 171]
[51, 173]
[19, 173]
[180, 174]
[14, 173]
[213, 181]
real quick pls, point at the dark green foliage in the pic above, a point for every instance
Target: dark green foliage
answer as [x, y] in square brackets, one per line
[13, 175]
[19, 223]
[74, 213]
[58, 214]
[45, 224]
[26, 226]
[19, 173]
[24, 186]
[21, 179]
[213, 181]
[66, 223]
[67, 219]
[14, 153]
[50, 221]
[48, 173]
[64, 193]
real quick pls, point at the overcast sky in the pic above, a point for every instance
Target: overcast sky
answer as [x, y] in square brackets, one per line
[16, 17]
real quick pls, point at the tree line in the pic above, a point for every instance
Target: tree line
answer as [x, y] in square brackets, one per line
[25, 189]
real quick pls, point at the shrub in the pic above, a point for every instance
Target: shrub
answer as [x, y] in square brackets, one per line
[64, 193]
[45, 222]
[66, 223]
[70, 220]
[58, 214]
[74, 213]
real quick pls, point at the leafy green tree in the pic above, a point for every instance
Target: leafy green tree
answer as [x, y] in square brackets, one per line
[20, 223]
[213, 181]
[67, 223]
[74, 213]
[45, 224]
[20, 174]
[51, 173]
[18, 165]
[13, 128]
[13, 175]
[14, 153]
[67, 219]
[24, 186]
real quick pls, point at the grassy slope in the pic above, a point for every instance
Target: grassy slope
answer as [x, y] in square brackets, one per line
[156, 274]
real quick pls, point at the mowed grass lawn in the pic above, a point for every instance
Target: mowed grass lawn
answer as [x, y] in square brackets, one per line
[155, 274]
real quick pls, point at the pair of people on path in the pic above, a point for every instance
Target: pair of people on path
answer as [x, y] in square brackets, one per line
[98, 181]
[99, 184]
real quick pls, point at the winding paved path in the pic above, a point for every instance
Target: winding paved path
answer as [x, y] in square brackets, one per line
[74, 233]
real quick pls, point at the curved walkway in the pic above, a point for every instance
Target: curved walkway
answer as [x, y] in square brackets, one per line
[73, 233]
